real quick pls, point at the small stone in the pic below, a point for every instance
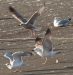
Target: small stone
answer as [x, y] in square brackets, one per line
[57, 61]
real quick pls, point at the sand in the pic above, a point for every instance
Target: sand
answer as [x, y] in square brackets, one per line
[12, 36]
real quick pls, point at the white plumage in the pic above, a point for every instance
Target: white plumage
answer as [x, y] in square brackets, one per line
[61, 22]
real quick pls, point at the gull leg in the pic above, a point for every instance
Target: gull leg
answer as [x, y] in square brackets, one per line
[33, 33]
[20, 70]
[30, 33]
[45, 60]
[17, 71]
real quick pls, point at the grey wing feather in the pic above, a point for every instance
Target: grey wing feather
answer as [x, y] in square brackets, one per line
[20, 53]
[17, 55]
[27, 53]
[16, 15]
[47, 45]
[64, 22]
[8, 55]
[35, 15]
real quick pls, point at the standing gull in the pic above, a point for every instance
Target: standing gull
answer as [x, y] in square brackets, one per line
[44, 47]
[61, 22]
[30, 23]
[16, 59]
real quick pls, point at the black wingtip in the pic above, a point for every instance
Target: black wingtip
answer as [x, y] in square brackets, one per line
[11, 9]
[48, 31]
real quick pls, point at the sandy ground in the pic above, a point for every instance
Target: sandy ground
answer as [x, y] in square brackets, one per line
[12, 36]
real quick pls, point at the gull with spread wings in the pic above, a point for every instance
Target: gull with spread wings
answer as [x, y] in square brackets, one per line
[16, 59]
[44, 46]
[30, 23]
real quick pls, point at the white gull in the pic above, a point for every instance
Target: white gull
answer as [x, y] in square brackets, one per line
[61, 22]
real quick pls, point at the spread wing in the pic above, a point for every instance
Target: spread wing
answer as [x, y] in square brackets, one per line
[8, 55]
[17, 55]
[47, 43]
[16, 15]
[35, 15]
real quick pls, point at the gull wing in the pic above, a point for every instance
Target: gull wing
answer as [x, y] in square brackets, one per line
[35, 15]
[16, 15]
[64, 22]
[47, 43]
[17, 55]
[8, 55]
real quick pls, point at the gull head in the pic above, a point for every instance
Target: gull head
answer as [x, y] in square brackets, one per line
[38, 42]
[69, 19]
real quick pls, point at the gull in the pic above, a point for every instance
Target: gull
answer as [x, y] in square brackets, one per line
[30, 23]
[16, 59]
[44, 46]
[61, 22]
